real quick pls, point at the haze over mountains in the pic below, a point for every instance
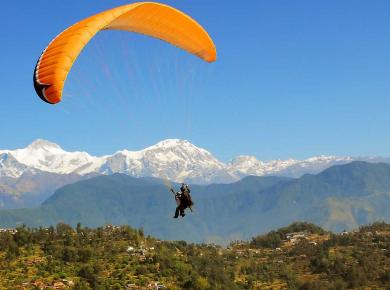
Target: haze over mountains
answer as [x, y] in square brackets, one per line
[341, 197]
[31, 174]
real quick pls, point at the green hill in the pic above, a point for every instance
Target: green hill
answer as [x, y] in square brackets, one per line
[300, 256]
[341, 197]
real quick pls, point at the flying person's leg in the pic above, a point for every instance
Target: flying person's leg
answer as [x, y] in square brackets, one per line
[177, 212]
[182, 213]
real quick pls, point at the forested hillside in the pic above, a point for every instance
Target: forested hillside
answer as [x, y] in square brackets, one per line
[300, 256]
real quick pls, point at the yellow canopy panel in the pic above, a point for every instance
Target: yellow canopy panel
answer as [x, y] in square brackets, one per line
[153, 19]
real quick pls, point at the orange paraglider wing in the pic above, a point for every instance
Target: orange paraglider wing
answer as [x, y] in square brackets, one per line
[153, 19]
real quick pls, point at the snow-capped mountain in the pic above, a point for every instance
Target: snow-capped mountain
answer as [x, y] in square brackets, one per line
[173, 159]
[49, 157]
[248, 165]
[9, 166]
[31, 174]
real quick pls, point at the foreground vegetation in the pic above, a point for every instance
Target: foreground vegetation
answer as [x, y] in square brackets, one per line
[301, 256]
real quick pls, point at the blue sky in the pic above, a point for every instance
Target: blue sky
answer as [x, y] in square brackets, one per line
[292, 79]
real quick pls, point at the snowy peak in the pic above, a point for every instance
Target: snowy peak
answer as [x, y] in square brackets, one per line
[10, 167]
[245, 161]
[174, 159]
[48, 156]
[41, 144]
[249, 165]
[244, 165]
[172, 143]
[172, 150]
[181, 148]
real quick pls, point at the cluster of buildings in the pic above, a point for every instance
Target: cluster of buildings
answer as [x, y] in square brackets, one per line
[58, 284]
[293, 238]
[8, 230]
[151, 286]
[142, 253]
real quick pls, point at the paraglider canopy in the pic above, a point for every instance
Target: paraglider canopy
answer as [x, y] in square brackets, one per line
[153, 19]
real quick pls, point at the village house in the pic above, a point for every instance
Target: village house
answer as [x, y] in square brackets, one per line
[8, 230]
[39, 284]
[156, 286]
[142, 253]
[68, 282]
[295, 237]
[58, 285]
[35, 261]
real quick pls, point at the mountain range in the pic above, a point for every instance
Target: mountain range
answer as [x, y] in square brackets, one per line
[341, 197]
[31, 174]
